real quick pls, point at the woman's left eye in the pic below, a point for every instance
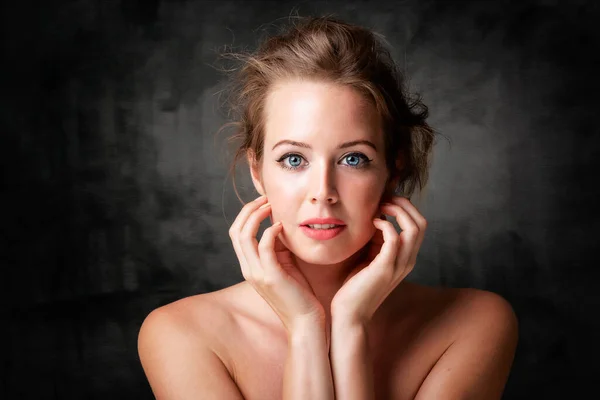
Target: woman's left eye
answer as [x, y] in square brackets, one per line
[357, 157]
[352, 158]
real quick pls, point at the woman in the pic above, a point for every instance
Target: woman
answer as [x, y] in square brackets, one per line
[324, 312]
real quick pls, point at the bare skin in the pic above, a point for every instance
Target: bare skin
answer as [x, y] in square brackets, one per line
[408, 335]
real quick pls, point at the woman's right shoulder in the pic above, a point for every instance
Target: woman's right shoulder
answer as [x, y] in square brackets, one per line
[195, 318]
[183, 340]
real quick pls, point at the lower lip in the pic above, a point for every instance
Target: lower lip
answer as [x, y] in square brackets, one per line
[322, 234]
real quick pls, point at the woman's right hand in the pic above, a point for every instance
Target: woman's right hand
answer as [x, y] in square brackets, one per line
[270, 268]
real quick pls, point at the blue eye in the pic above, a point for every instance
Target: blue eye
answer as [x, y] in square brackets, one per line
[295, 158]
[356, 159]
[292, 158]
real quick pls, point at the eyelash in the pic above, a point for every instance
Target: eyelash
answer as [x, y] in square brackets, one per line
[366, 159]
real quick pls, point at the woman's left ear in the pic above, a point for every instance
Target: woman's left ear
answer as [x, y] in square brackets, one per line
[392, 184]
[390, 189]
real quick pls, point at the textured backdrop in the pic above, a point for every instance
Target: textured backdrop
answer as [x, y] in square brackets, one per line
[116, 200]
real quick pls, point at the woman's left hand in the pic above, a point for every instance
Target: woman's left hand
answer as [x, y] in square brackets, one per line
[390, 257]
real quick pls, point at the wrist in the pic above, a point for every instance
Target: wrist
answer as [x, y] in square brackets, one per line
[341, 318]
[306, 327]
[342, 324]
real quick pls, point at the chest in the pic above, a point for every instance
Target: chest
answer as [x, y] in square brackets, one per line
[402, 359]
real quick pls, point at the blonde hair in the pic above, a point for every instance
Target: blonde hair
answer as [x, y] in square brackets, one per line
[327, 49]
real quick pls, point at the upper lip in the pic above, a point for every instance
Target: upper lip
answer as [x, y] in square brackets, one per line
[323, 221]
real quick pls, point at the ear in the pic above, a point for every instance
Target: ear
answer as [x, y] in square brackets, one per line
[388, 194]
[392, 184]
[255, 172]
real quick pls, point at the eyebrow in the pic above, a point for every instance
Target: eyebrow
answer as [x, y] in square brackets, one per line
[341, 146]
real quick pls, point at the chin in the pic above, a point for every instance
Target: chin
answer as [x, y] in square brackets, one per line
[322, 254]
[313, 258]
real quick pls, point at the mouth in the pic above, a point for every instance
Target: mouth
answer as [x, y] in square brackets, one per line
[322, 232]
[322, 226]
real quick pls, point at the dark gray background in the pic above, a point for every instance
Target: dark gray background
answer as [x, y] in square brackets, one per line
[116, 200]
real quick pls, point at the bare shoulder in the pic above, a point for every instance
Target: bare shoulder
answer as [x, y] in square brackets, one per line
[180, 342]
[194, 321]
[452, 314]
[479, 329]
[468, 304]
[481, 309]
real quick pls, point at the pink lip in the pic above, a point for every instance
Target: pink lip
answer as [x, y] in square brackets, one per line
[313, 221]
[322, 234]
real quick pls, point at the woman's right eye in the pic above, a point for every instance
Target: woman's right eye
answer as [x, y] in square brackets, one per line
[293, 159]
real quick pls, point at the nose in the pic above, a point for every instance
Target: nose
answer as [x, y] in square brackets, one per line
[323, 186]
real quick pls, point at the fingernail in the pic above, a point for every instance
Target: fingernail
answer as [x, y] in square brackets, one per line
[264, 205]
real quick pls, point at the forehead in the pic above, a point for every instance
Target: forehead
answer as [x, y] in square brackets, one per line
[319, 112]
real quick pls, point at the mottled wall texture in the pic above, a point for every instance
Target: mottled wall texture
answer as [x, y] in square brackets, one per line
[116, 198]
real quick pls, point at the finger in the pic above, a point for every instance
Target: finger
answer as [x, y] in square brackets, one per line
[406, 239]
[421, 222]
[234, 234]
[243, 215]
[278, 246]
[389, 249]
[266, 251]
[377, 237]
[249, 244]
[237, 226]
[410, 209]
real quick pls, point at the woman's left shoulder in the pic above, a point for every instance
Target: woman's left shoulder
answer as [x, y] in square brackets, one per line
[468, 308]
[474, 335]
[479, 305]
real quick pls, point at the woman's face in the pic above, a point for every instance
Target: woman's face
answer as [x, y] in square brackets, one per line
[323, 177]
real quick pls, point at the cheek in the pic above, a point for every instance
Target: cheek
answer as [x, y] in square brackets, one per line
[370, 189]
[282, 195]
[370, 202]
[281, 187]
